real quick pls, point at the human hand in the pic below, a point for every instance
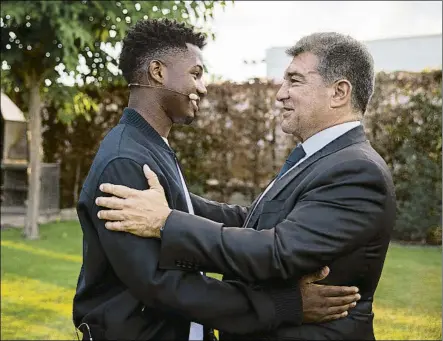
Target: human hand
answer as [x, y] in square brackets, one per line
[142, 213]
[323, 303]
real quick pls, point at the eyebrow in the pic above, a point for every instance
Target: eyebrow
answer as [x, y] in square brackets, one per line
[294, 73]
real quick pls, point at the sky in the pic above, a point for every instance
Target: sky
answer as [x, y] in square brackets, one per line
[245, 29]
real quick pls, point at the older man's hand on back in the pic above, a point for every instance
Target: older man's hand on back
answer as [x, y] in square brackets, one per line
[142, 213]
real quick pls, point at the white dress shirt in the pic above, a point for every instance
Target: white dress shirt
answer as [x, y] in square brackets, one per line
[196, 330]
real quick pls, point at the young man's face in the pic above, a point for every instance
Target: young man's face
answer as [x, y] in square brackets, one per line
[184, 74]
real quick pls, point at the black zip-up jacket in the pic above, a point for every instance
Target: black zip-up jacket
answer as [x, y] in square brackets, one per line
[121, 292]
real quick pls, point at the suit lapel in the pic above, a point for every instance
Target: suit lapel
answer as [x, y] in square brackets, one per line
[353, 136]
[254, 204]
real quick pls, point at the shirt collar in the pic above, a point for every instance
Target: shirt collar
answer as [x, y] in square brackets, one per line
[324, 137]
[166, 140]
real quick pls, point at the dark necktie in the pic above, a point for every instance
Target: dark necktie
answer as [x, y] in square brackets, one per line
[296, 155]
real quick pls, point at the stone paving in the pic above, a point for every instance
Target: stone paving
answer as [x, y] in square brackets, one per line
[18, 220]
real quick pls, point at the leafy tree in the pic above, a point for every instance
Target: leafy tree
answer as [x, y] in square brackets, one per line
[41, 39]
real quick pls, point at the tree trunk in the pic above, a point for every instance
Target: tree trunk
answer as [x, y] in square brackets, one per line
[34, 167]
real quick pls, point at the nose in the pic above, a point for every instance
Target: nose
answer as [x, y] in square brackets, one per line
[201, 89]
[283, 93]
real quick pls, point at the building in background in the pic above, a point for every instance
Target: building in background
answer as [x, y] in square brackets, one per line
[14, 160]
[413, 54]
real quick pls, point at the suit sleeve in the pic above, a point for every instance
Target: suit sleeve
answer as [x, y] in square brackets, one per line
[231, 215]
[230, 306]
[340, 210]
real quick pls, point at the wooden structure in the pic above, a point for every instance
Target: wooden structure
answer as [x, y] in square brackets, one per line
[14, 165]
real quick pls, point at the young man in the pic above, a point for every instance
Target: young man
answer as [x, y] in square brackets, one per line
[333, 202]
[121, 292]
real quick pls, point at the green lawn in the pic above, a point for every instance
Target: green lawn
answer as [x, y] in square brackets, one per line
[38, 280]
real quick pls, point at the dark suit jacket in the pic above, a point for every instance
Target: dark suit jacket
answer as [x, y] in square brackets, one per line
[337, 208]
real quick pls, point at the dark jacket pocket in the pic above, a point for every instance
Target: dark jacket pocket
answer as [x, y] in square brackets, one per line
[271, 214]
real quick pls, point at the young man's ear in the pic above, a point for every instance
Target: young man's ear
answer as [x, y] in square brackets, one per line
[156, 72]
[342, 92]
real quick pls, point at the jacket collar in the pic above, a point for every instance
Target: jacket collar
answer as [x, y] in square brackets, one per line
[133, 118]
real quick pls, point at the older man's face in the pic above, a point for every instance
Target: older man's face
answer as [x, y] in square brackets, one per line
[305, 98]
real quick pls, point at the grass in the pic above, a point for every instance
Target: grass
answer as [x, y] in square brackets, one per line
[408, 299]
[38, 280]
